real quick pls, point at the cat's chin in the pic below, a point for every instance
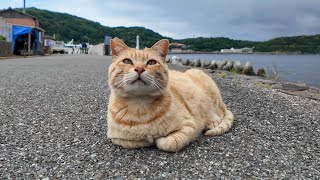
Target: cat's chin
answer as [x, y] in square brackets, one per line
[138, 89]
[139, 82]
[137, 85]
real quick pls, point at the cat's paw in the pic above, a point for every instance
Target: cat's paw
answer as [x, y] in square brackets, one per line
[168, 144]
[216, 131]
[131, 144]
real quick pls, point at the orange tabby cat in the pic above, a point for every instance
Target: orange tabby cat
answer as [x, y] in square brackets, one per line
[151, 105]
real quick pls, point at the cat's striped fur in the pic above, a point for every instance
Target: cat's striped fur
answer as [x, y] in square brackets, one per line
[151, 105]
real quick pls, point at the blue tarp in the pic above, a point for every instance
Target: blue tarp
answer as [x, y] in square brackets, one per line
[17, 31]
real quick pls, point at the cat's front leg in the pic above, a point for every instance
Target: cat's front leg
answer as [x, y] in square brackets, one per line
[131, 144]
[177, 139]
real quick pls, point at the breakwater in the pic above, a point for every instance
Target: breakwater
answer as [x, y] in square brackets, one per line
[294, 68]
[226, 65]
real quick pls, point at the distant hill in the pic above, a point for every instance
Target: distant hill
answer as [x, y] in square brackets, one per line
[296, 44]
[67, 27]
[215, 44]
[302, 44]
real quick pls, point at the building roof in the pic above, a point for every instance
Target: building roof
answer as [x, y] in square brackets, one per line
[49, 37]
[6, 13]
[10, 9]
[39, 29]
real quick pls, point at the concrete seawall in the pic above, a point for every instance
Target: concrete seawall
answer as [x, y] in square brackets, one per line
[5, 49]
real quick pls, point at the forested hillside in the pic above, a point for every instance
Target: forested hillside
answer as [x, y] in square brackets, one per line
[67, 27]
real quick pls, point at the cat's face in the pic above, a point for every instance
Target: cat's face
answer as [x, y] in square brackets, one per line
[138, 72]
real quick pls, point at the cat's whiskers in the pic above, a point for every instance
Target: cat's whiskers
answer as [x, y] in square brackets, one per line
[161, 88]
[153, 79]
[123, 80]
[155, 88]
[161, 80]
[155, 83]
[156, 79]
[119, 77]
[151, 76]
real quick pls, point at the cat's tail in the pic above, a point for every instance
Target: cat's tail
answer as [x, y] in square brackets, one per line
[223, 126]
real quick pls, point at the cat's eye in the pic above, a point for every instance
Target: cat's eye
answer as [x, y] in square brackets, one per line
[152, 62]
[127, 61]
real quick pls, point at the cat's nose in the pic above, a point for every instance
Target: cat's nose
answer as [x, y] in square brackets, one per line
[139, 70]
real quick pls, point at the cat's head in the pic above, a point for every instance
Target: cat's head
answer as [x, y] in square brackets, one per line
[138, 72]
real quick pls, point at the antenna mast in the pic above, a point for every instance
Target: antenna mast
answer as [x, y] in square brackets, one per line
[24, 6]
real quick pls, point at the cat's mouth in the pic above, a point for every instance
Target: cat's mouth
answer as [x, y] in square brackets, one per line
[139, 80]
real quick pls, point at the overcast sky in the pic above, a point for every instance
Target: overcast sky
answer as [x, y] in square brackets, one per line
[237, 19]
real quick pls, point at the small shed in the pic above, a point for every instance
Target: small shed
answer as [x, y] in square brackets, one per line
[49, 42]
[27, 33]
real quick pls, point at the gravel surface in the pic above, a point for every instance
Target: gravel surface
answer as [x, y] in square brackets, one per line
[53, 125]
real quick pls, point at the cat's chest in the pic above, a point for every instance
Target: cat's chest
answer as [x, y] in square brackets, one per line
[151, 130]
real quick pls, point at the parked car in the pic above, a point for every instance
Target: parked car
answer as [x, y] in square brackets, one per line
[59, 48]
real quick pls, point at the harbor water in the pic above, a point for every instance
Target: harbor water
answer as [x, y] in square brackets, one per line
[294, 68]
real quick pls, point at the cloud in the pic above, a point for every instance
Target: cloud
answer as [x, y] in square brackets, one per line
[16, 3]
[246, 19]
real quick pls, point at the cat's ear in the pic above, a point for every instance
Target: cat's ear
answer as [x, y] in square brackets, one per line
[161, 47]
[117, 46]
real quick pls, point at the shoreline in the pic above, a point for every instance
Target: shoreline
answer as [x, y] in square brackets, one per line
[280, 66]
[287, 87]
[260, 53]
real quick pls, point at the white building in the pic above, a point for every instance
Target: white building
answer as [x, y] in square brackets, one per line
[247, 50]
[233, 50]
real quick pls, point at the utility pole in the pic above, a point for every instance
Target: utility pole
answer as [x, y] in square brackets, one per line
[24, 6]
[138, 46]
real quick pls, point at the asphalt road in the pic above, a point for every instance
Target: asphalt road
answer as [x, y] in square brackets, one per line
[53, 125]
